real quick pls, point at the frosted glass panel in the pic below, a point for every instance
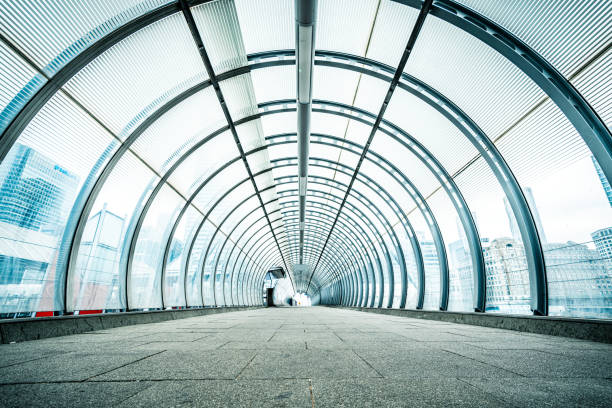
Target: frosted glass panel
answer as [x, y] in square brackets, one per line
[144, 285]
[40, 178]
[19, 82]
[117, 86]
[98, 282]
[53, 33]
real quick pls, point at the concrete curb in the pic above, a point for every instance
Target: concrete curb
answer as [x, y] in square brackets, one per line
[44, 327]
[585, 329]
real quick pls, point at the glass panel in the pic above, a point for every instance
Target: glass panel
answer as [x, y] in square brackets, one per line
[229, 283]
[239, 96]
[405, 161]
[174, 286]
[460, 279]
[97, 282]
[394, 23]
[358, 132]
[244, 228]
[345, 25]
[235, 197]
[504, 253]
[250, 135]
[569, 203]
[412, 282]
[274, 83]
[593, 83]
[227, 178]
[279, 123]
[179, 129]
[19, 82]
[237, 279]
[371, 93]
[480, 81]
[208, 264]
[194, 271]
[574, 30]
[53, 33]
[123, 86]
[144, 278]
[219, 266]
[238, 214]
[436, 133]
[430, 261]
[217, 22]
[40, 178]
[333, 84]
[328, 124]
[200, 165]
[266, 24]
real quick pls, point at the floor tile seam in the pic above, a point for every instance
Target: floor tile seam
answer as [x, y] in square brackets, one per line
[368, 364]
[571, 357]
[483, 362]
[124, 365]
[243, 379]
[35, 359]
[493, 396]
[310, 388]
[245, 367]
[222, 345]
[147, 386]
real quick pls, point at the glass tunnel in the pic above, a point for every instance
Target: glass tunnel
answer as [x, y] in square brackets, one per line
[445, 155]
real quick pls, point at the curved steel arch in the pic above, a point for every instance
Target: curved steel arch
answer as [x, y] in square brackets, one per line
[212, 208]
[335, 250]
[351, 268]
[330, 215]
[363, 263]
[397, 210]
[382, 219]
[236, 244]
[362, 233]
[190, 151]
[374, 230]
[439, 172]
[199, 188]
[284, 109]
[401, 216]
[526, 59]
[364, 259]
[242, 263]
[227, 236]
[349, 273]
[218, 229]
[322, 211]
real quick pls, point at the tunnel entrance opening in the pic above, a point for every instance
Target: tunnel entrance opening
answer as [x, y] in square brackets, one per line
[301, 300]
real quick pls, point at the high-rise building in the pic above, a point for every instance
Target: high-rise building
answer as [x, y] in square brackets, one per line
[507, 276]
[603, 242]
[35, 199]
[33, 191]
[514, 228]
[97, 268]
[577, 280]
[605, 183]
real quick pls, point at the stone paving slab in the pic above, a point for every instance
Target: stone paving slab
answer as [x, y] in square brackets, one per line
[305, 357]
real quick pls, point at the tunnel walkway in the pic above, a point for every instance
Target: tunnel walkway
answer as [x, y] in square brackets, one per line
[305, 357]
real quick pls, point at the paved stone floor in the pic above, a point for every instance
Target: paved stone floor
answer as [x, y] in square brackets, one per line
[305, 357]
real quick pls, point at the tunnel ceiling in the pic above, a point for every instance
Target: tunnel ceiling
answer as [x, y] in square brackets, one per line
[438, 155]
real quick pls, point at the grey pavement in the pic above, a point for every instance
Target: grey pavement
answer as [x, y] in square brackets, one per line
[305, 357]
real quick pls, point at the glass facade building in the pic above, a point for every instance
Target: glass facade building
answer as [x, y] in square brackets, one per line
[440, 155]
